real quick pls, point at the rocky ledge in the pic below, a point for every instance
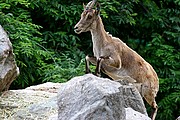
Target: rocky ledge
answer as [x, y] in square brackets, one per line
[81, 98]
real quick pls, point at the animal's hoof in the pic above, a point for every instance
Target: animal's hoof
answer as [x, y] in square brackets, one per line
[87, 71]
[97, 74]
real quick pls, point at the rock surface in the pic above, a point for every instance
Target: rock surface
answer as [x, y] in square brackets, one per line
[89, 97]
[8, 68]
[33, 103]
[178, 118]
[131, 114]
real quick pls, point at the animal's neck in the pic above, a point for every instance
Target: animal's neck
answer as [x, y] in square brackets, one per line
[98, 34]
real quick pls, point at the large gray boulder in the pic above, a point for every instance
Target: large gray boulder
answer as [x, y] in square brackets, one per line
[8, 68]
[92, 98]
[82, 98]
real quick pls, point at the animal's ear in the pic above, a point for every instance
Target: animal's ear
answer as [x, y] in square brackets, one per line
[98, 8]
[84, 6]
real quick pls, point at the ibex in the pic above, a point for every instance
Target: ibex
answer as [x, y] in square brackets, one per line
[115, 58]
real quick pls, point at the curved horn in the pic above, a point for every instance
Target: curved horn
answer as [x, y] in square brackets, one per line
[90, 4]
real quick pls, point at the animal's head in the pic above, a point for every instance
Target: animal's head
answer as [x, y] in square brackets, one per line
[88, 17]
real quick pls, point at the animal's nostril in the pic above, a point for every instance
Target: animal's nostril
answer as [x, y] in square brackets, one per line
[75, 27]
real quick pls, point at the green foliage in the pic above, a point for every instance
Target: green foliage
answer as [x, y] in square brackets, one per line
[63, 71]
[37, 47]
[170, 98]
[16, 20]
[47, 49]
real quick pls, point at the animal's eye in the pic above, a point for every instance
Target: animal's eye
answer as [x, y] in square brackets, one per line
[89, 16]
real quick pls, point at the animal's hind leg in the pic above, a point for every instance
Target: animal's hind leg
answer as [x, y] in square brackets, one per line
[154, 111]
[151, 101]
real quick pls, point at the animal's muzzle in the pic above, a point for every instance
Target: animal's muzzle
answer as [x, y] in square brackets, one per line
[77, 30]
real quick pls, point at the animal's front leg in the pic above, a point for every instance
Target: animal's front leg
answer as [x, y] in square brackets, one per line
[99, 63]
[91, 59]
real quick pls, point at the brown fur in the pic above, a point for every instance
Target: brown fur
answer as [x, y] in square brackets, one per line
[116, 59]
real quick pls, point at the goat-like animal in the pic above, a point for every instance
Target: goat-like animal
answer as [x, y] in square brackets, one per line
[115, 58]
